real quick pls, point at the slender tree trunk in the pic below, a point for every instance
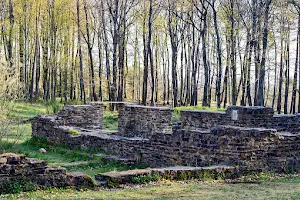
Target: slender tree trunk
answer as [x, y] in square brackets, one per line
[287, 74]
[294, 92]
[280, 78]
[275, 81]
[82, 90]
[205, 63]
[232, 54]
[263, 59]
[100, 66]
[107, 58]
[145, 79]
[88, 41]
[150, 56]
[225, 83]
[219, 53]
[10, 37]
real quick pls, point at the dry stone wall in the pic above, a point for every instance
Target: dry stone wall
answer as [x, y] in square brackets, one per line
[249, 140]
[14, 167]
[242, 116]
[201, 119]
[252, 149]
[84, 116]
[143, 121]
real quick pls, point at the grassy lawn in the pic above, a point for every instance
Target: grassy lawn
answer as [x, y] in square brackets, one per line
[18, 140]
[279, 189]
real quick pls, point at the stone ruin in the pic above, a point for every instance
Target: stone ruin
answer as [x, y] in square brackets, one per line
[250, 139]
[14, 168]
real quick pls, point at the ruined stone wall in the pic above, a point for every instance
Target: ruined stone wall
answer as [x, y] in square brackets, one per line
[143, 121]
[289, 123]
[241, 116]
[251, 149]
[84, 116]
[49, 128]
[201, 119]
[252, 138]
[15, 168]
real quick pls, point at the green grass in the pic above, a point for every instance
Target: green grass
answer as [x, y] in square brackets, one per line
[25, 111]
[279, 189]
[176, 111]
[110, 120]
[97, 166]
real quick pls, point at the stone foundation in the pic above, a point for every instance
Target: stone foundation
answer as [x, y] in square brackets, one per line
[253, 139]
[169, 173]
[15, 167]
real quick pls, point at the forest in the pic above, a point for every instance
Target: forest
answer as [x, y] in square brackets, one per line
[172, 52]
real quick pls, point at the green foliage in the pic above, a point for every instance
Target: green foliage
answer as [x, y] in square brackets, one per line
[206, 175]
[110, 120]
[184, 175]
[74, 131]
[145, 178]
[16, 186]
[74, 102]
[292, 171]
[53, 106]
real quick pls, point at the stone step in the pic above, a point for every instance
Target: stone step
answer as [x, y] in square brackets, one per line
[170, 173]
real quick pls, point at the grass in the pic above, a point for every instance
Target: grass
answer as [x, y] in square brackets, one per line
[279, 189]
[84, 161]
[25, 111]
[176, 111]
[110, 120]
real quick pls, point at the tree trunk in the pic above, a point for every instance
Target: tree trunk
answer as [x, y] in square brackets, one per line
[232, 54]
[82, 90]
[294, 92]
[261, 81]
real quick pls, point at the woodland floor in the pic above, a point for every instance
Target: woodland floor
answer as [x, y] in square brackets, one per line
[18, 140]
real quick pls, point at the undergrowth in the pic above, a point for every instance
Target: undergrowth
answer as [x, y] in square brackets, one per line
[110, 120]
[16, 186]
[145, 179]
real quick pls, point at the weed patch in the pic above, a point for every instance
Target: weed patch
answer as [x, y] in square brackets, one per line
[16, 186]
[145, 179]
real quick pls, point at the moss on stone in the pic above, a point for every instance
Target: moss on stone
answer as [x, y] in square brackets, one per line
[74, 132]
